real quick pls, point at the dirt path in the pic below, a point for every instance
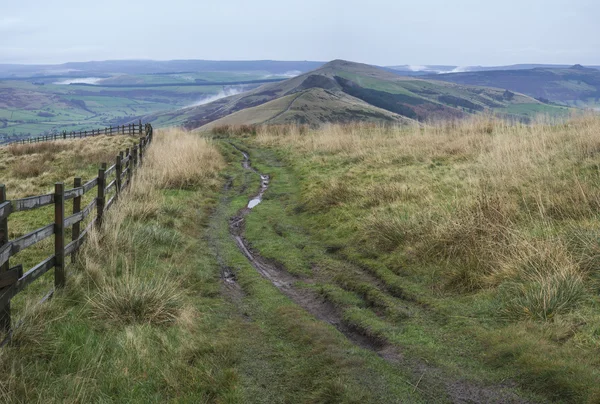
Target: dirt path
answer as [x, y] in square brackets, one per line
[430, 379]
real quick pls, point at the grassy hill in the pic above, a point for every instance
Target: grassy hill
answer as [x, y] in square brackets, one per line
[446, 263]
[575, 85]
[342, 91]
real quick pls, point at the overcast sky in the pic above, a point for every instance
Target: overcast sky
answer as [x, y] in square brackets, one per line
[383, 32]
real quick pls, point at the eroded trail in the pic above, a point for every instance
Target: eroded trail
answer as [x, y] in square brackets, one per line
[284, 281]
[432, 382]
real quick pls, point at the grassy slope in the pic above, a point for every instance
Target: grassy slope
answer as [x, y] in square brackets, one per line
[367, 91]
[485, 233]
[29, 170]
[311, 107]
[145, 317]
[34, 109]
[565, 86]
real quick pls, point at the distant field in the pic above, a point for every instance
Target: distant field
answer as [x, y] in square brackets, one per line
[30, 107]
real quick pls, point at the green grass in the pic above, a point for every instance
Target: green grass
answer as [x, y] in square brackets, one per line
[104, 106]
[382, 224]
[207, 345]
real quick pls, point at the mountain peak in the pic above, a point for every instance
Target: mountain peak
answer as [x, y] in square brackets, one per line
[578, 67]
[339, 63]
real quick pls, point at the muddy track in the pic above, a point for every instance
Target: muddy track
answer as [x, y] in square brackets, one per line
[430, 378]
[284, 281]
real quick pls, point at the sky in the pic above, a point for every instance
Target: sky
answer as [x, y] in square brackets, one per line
[382, 32]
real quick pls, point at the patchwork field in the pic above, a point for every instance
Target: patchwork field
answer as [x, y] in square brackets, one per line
[40, 105]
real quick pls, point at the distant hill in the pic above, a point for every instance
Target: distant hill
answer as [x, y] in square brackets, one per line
[342, 91]
[574, 85]
[417, 70]
[74, 69]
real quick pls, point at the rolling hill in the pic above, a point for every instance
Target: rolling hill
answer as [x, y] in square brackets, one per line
[342, 91]
[575, 85]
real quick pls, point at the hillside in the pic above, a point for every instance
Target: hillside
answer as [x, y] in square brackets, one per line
[447, 263]
[576, 85]
[47, 104]
[423, 70]
[342, 91]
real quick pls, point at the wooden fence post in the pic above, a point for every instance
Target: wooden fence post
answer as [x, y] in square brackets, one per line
[118, 170]
[59, 235]
[101, 201]
[5, 313]
[135, 156]
[128, 166]
[141, 151]
[76, 231]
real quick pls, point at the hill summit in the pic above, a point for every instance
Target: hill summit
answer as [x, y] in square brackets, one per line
[342, 91]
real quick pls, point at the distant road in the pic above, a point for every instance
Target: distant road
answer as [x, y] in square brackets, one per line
[201, 83]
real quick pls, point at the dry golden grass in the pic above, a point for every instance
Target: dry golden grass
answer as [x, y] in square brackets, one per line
[32, 169]
[496, 203]
[177, 159]
[182, 160]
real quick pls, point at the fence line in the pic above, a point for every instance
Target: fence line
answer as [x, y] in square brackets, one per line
[12, 279]
[131, 129]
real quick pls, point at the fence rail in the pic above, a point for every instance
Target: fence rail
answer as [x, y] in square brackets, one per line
[12, 279]
[131, 129]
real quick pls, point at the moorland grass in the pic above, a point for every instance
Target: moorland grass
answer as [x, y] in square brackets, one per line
[492, 218]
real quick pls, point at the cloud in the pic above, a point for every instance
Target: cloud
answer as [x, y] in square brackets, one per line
[225, 92]
[10, 23]
[85, 80]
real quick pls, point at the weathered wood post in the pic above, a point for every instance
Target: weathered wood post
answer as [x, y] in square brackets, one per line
[5, 312]
[140, 133]
[135, 156]
[118, 173]
[101, 199]
[141, 151]
[128, 165]
[59, 235]
[76, 231]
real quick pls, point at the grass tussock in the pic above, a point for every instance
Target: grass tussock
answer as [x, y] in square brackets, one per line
[133, 300]
[28, 169]
[539, 281]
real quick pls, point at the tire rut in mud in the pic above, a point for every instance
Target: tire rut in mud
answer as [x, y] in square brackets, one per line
[456, 391]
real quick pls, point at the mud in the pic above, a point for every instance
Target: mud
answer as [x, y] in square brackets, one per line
[430, 378]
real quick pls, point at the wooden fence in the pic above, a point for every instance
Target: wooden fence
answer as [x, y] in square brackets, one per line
[131, 129]
[109, 182]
